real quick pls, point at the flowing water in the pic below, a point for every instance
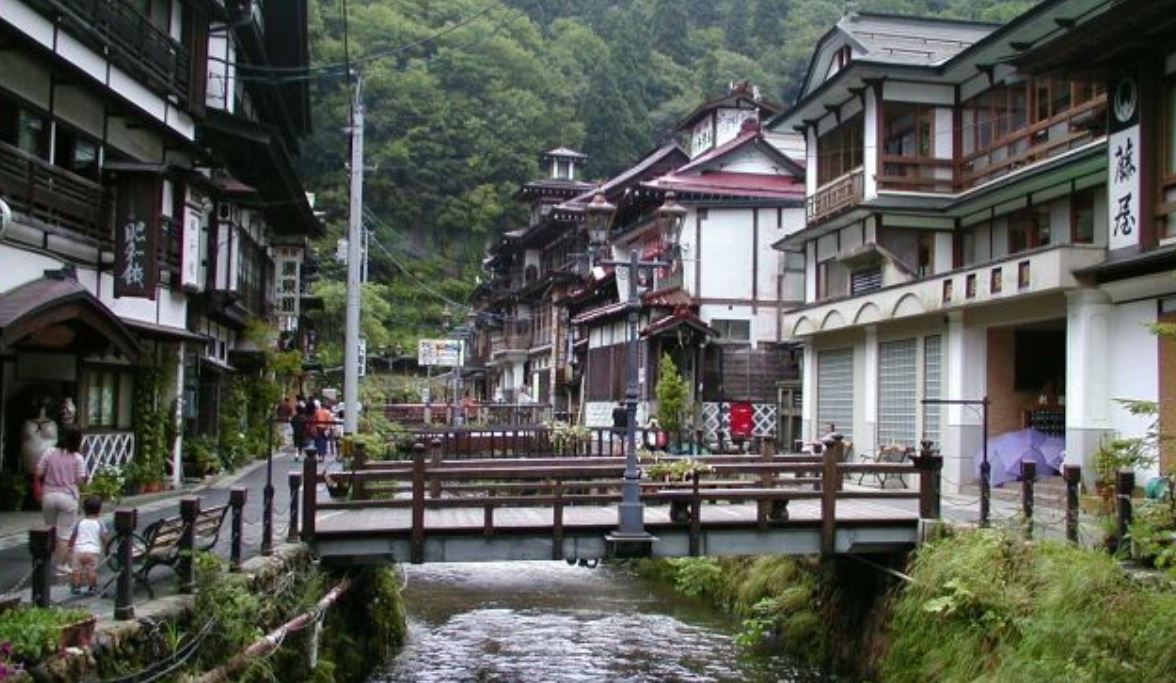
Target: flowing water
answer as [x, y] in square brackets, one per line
[545, 622]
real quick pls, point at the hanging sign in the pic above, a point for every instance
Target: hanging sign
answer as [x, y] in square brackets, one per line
[1123, 162]
[190, 251]
[136, 267]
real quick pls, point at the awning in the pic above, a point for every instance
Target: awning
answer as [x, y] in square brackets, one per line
[164, 332]
[56, 312]
[676, 321]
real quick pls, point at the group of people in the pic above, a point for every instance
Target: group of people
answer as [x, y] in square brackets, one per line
[61, 472]
[307, 421]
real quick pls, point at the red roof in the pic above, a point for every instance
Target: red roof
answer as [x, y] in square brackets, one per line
[735, 184]
[678, 318]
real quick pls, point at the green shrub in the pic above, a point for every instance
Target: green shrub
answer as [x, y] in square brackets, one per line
[697, 576]
[35, 632]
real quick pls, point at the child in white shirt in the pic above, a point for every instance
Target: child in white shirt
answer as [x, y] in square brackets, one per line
[87, 542]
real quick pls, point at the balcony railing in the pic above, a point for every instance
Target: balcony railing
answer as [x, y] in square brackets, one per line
[835, 196]
[53, 195]
[1074, 127]
[916, 175]
[116, 28]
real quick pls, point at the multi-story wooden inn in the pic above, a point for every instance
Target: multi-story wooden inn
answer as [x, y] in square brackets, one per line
[980, 223]
[151, 207]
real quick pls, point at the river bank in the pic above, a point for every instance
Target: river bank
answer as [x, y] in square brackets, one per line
[980, 605]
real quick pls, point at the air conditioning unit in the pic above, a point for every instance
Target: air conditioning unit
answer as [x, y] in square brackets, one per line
[224, 212]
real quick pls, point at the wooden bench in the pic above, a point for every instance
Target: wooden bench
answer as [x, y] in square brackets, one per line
[886, 454]
[159, 543]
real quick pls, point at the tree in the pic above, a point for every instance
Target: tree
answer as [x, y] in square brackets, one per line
[672, 396]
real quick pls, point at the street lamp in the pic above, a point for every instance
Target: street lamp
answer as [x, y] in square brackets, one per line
[630, 537]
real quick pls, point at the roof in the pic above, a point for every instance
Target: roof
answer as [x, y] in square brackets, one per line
[681, 317]
[899, 39]
[58, 300]
[758, 185]
[553, 187]
[1089, 40]
[672, 298]
[647, 164]
[565, 152]
[750, 135]
[740, 93]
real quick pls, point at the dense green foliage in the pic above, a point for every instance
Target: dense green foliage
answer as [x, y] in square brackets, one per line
[984, 606]
[461, 95]
[34, 633]
[672, 394]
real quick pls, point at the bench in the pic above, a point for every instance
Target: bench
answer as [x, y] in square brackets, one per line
[159, 544]
[886, 454]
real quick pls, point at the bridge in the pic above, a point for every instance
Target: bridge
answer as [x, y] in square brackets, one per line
[434, 508]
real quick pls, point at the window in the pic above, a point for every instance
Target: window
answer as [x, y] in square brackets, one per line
[840, 150]
[1029, 228]
[563, 169]
[907, 130]
[897, 389]
[1082, 217]
[733, 330]
[835, 391]
[158, 12]
[107, 398]
[832, 279]
[865, 280]
[24, 128]
[932, 368]
[926, 248]
[76, 153]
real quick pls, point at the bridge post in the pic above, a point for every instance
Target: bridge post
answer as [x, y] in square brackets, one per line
[42, 543]
[1124, 485]
[417, 540]
[295, 481]
[359, 460]
[125, 520]
[763, 507]
[557, 522]
[435, 485]
[309, 494]
[1072, 474]
[695, 517]
[1028, 475]
[930, 465]
[189, 512]
[237, 507]
[830, 485]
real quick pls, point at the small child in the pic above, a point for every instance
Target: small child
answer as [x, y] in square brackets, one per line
[87, 542]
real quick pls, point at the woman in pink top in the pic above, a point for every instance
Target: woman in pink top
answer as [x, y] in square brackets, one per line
[62, 470]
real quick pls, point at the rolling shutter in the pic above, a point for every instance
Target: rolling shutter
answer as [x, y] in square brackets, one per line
[835, 391]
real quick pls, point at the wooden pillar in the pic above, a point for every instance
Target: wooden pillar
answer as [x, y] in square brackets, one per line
[1073, 477]
[417, 538]
[42, 543]
[309, 495]
[435, 485]
[1028, 478]
[1124, 485]
[830, 485]
[930, 465]
[185, 567]
[125, 521]
[295, 482]
[358, 463]
[237, 507]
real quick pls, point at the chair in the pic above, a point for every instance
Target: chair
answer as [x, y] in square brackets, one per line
[893, 453]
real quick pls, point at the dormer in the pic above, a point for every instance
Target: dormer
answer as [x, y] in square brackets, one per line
[561, 163]
[719, 121]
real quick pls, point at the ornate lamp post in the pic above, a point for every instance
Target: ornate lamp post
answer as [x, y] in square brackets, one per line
[631, 537]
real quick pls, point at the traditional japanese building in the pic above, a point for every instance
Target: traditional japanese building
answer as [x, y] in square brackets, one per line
[959, 241]
[150, 207]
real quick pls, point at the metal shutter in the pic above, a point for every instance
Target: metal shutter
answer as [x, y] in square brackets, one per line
[897, 392]
[932, 364]
[835, 391]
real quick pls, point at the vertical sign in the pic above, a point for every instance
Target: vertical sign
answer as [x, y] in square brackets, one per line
[136, 256]
[288, 265]
[1123, 154]
[193, 219]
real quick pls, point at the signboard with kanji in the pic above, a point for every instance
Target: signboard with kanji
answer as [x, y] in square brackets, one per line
[1123, 181]
[440, 352]
[136, 267]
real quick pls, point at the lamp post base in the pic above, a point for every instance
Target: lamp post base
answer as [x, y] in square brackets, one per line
[620, 545]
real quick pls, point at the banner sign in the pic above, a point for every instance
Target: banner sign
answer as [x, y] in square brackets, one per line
[440, 352]
[1123, 162]
[136, 266]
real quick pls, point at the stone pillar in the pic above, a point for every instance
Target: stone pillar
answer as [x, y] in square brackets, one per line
[966, 378]
[864, 434]
[1088, 410]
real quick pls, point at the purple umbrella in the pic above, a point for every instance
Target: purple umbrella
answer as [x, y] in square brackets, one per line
[1005, 453]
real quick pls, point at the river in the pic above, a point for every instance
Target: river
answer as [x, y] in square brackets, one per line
[548, 621]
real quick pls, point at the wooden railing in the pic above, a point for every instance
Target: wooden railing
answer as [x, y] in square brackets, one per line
[770, 481]
[1064, 131]
[916, 175]
[835, 196]
[53, 195]
[116, 28]
[486, 415]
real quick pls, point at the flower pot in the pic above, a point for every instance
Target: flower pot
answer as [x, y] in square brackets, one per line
[338, 488]
[152, 486]
[79, 633]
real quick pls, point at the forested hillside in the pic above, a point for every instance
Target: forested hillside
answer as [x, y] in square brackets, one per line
[461, 95]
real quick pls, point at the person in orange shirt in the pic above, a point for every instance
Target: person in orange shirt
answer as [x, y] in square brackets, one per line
[324, 420]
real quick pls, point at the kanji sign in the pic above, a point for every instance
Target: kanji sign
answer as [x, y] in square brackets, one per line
[1123, 181]
[136, 266]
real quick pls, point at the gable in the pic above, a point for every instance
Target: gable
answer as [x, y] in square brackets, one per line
[750, 158]
[836, 51]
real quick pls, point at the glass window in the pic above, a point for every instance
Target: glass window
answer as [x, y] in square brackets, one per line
[733, 330]
[1029, 229]
[107, 398]
[1082, 216]
[840, 150]
[32, 134]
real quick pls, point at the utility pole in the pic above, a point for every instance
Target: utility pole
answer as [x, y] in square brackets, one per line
[354, 269]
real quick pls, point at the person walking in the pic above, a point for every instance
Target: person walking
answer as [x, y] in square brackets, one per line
[86, 543]
[284, 414]
[324, 420]
[298, 425]
[62, 470]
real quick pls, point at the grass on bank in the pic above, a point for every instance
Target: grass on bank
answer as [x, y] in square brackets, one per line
[985, 606]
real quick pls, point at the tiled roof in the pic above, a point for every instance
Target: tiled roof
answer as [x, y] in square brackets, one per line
[24, 308]
[900, 39]
[757, 185]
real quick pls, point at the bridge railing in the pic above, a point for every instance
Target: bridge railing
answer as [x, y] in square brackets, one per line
[770, 481]
[538, 440]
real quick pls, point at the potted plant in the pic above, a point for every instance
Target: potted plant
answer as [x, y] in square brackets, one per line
[107, 483]
[337, 487]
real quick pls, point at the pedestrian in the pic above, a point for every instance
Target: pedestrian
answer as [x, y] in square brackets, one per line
[298, 428]
[61, 470]
[87, 541]
[620, 420]
[324, 421]
[284, 413]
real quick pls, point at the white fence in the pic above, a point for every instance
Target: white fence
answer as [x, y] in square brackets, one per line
[107, 448]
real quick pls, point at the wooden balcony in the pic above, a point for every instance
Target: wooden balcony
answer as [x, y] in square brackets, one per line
[117, 29]
[835, 196]
[54, 195]
[908, 174]
[1077, 126]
